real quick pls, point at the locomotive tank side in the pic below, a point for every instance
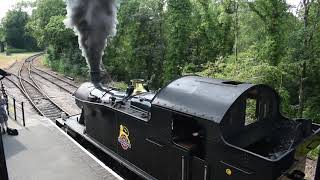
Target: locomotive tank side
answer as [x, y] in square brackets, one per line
[197, 128]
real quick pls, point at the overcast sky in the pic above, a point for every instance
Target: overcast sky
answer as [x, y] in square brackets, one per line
[5, 5]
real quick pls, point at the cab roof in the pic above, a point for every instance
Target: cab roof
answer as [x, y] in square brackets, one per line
[202, 97]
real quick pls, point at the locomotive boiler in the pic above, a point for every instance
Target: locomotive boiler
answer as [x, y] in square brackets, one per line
[196, 128]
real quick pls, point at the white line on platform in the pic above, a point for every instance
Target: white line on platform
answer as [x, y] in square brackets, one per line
[87, 152]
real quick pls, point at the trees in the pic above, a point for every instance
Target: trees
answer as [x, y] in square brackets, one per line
[178, 40]
[280, 49]
[273, 14]
[2, 39]
[259, 41]
[41, 15]
[14, 29]
[309, 53]
[214, 29]
[137, 51]
[47, 27]
[56, 34]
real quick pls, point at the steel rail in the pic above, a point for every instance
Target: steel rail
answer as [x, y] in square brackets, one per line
[57, 84]
[40, 101]
[45, 75]
[23, 91]
[37, 85]
[53, 76]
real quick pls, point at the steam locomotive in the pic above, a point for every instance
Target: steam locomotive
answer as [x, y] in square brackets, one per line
[195, 128]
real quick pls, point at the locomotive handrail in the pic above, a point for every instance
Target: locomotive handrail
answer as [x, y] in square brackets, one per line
[120, 110]
[317, 133]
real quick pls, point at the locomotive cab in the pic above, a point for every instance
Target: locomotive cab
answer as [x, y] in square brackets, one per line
[225, 125]
[254, 123]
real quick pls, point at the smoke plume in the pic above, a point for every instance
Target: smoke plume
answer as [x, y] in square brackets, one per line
[93, 21]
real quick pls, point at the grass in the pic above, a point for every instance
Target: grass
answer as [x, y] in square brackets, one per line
[119, 85]
[314, 154]
[6, 61]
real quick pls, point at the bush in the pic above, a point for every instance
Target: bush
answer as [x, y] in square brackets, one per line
[119, 85]
[314, 153]
[15, 50]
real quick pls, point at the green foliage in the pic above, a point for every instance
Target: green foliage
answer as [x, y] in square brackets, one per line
[273, 14]
[67, 60]
[56, 33]
[2, 34]
[314, 154]
[14, 32]
[257, 41]
[41, 15]
[179, 30]
[251, 105]
[47, 27]
[15, 50]
[247, 69]
[2, 39]
[119, 85]
[137, 50]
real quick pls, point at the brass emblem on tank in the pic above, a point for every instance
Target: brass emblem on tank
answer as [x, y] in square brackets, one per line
[228, 172]
[123, 138]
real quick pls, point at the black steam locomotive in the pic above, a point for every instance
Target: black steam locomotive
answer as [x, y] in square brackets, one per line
[196, 128]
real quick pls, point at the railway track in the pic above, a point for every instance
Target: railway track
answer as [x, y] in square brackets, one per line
[29, 87]
[15, 81]
[61, 83]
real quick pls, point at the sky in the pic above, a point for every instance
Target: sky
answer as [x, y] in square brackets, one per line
[5, 5]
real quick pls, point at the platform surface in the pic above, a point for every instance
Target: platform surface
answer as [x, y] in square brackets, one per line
[41, 151]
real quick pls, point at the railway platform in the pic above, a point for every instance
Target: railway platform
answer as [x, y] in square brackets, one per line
[43, 151]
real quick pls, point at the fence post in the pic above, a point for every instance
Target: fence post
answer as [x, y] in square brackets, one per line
[8, 109]
[8, 106]
[23, 118]
[14, 109]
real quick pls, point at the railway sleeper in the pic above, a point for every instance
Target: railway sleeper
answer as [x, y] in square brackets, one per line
[48, 105]
[52, 112]
[52, 116]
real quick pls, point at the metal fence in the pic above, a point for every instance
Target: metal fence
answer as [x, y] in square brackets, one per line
[15, 109]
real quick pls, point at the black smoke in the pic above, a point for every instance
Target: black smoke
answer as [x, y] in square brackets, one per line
[93, 21]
